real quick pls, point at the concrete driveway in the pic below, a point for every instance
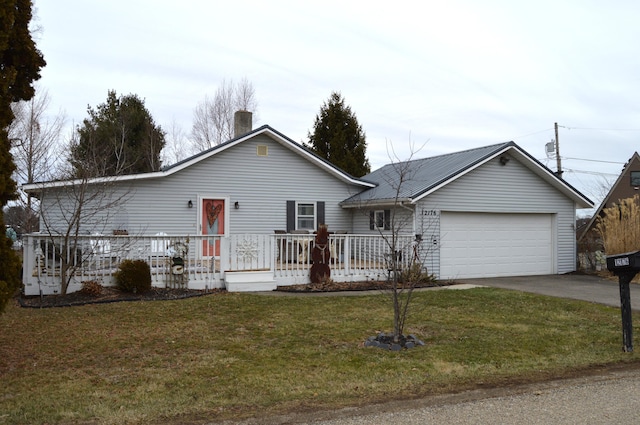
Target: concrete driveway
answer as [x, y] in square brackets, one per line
[573, 286]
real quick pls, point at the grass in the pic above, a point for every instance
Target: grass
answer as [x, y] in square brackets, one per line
[236, 355]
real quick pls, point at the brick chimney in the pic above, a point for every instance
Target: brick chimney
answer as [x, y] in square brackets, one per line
[242, 123]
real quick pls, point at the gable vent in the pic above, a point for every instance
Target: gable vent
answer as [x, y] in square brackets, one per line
[262, 150]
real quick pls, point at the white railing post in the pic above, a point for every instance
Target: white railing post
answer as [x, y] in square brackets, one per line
[274, 253]
[225, 255]
[28, 259]
[346, 249]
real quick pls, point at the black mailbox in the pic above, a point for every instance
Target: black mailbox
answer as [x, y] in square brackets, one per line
[625, 266]
[624, 263]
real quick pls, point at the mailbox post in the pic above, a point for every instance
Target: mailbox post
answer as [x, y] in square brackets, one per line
[625, 266]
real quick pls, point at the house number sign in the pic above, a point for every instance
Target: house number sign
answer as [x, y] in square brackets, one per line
[431, 213]
[621, 262]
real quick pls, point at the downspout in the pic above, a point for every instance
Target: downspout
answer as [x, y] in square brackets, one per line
[413, 212]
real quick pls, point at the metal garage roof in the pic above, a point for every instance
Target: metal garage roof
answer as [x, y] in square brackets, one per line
[423, 176]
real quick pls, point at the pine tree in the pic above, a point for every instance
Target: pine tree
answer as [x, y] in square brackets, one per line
[119, 137]
[20, 65]
[338, 138]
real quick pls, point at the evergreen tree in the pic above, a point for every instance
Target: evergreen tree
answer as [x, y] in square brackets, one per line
[119, 137]
[20, 65]
[338, 138]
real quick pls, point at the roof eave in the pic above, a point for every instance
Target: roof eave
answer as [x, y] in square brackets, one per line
[38, 187]
[376, 203]
[545, 173]
[272, 133]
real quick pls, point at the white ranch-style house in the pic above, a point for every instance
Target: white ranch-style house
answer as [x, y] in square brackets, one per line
[241, 216]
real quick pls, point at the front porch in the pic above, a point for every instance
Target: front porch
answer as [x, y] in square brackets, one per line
[243, 262]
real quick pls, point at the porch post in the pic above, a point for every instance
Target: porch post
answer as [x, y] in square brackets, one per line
[28, 255]
[224, 255]
[274, 254]
[347, 255]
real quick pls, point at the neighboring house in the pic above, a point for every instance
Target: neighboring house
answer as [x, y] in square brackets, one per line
[627, 185]
[491, 211]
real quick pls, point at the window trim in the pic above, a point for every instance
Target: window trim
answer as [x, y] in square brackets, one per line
[298, 216]
[378, 219]
[386, 219]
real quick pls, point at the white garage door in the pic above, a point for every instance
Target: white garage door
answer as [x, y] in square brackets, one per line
[489, 245]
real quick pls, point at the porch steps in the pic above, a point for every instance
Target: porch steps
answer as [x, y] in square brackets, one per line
[250, 281]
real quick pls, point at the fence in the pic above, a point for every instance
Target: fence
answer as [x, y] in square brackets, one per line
[200, 262]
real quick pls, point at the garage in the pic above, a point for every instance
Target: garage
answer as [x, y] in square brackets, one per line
[490, 245]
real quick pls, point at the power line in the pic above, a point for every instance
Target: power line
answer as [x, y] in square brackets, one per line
[594, 173]
[599, 129]
[533, 134]
[594, 160]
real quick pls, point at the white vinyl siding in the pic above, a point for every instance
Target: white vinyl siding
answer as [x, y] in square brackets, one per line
[511, 188]
[399, 218]
[260, 184]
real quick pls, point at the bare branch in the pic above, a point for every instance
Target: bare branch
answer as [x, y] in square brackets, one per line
[213, 117]
[73, 210]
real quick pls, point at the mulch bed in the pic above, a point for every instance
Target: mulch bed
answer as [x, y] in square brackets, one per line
[111, 295]
[371, 285]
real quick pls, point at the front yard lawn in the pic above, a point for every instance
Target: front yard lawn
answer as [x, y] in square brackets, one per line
[233, 355]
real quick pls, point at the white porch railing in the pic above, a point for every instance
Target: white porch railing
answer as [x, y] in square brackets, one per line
[282, 259]
[354, 258]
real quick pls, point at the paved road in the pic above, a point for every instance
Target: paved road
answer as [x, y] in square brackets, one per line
[575, 286]
[609, 397]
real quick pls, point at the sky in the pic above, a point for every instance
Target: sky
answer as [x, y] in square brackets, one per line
[422, 77]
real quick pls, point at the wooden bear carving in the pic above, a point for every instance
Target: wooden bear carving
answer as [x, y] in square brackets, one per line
[321, 256]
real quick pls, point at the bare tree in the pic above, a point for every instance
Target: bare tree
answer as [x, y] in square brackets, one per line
[77, 208]
[72, 207]
[405, 253]
[213, 118]
[401, 292]
[245, 97]
[35, 136]
[177, 146]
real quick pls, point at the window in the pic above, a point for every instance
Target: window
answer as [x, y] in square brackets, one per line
[380, 220]
[635, 178]
[305, 216]
[379, 217]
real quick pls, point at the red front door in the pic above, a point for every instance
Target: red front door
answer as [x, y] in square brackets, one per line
[212, 223]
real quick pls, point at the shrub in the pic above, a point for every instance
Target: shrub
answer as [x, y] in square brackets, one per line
[415, 274]
[91, 287]
[619, 226]
[133, 276]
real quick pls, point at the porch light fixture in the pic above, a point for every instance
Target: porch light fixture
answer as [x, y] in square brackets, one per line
[237, 205]
[190, 203]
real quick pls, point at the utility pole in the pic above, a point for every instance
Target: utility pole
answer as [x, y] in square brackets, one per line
[558, 163]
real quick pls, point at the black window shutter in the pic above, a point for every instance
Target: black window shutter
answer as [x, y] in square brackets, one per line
[320, 212]
[372, 220]
[387, 219]
[291, 216]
